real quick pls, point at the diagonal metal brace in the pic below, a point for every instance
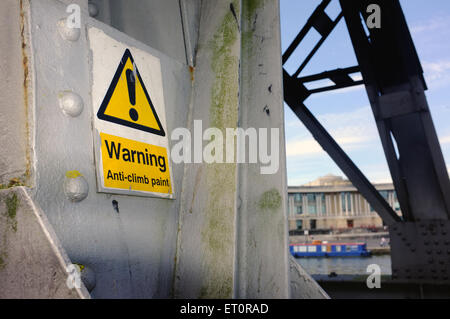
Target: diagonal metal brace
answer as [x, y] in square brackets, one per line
[373, 197]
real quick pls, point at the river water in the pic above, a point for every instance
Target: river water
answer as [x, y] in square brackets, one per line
[345, 265]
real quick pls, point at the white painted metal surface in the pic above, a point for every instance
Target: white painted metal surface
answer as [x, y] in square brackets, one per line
[225, 233]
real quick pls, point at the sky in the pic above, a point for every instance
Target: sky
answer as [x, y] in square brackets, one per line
[346, 113]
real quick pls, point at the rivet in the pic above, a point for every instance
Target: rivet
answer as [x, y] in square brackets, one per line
[93, 9]
[67, 32]
[71, 103]
[76, 187]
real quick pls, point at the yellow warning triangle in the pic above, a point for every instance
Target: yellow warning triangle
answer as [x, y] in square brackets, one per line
[127, 102]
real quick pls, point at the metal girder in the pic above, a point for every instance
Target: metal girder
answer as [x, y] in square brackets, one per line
[320, 21]
[340, 77]
[421, 251]
[395, 85]
[293, 97]
[295, 93]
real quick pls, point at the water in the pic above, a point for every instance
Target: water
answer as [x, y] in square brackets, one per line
[345, 265]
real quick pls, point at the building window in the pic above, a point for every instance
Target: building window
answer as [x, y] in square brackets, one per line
[312, 224]
[299, 224]
[324, 206]
[298, 197]
[350, 223]
[343, 202]
[396, 203]
[385, 195]
[299, 209]
[312, 205]
[349, 202]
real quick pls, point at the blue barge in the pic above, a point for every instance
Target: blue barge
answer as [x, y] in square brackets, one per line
[330, 250]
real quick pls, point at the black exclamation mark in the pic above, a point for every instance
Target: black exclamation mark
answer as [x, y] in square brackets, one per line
[131, 80]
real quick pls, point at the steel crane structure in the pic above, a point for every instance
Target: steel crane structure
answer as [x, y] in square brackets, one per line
[394, 82]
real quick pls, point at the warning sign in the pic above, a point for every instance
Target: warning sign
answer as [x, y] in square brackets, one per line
[130, 141]
[127, 101]
[128, 164]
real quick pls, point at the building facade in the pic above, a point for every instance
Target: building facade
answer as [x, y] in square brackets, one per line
[333, 203]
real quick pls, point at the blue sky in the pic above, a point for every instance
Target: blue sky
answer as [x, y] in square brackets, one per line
[346, 113]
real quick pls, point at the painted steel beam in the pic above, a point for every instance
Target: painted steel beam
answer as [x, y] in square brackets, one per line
[395, 85]
[293, 97]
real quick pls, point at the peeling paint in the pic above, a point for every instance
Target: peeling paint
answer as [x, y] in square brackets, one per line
[13, 182]
[73, 174]
[26, 85]
[191, 71]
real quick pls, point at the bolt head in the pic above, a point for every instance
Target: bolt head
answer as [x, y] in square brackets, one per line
[76, 188]
[71, 103]
[93, 9]
[67, 32]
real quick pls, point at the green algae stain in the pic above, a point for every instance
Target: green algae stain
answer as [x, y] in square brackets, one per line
[218, 230]
[249, 7]
[11, 210]
[270, 200]
[2, 260]
[224, 95]
[248, 37]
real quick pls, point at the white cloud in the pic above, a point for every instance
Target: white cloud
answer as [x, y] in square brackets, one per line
[351, 130]
[437, 74]
[433, 24]
[445, 140]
